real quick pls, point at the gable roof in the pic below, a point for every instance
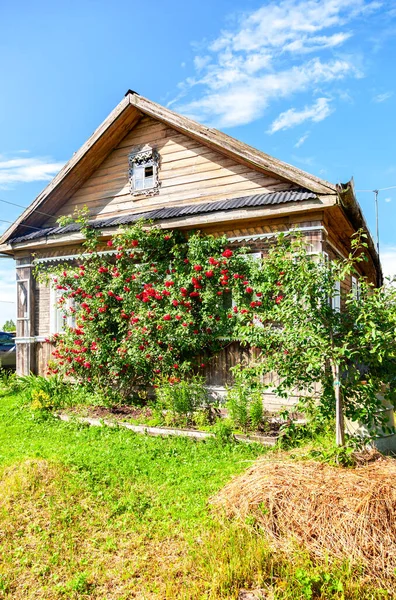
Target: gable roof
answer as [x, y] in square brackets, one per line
[120, 121]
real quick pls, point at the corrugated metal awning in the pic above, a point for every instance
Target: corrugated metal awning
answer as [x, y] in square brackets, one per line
[162, 214]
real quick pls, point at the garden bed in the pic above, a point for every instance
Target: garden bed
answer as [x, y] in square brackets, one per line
[122, 416]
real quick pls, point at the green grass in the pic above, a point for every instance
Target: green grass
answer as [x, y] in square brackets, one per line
[104, 513]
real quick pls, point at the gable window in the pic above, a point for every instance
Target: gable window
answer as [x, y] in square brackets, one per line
[143, 171]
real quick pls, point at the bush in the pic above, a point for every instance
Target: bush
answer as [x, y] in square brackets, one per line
[245, 399]
[182, 400]
[223, 431]
[51, 393]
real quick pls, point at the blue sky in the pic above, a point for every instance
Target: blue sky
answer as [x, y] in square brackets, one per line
[311, 82]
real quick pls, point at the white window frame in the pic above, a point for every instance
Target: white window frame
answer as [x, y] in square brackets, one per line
[336, 297]
[355, 285]
[57, 322]
[140, 160]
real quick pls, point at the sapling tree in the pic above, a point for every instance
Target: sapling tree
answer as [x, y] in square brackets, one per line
[345, 352]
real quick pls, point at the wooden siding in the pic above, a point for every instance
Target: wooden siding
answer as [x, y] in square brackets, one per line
[189, 172]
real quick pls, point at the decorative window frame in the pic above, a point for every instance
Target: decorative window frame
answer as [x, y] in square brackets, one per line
[57, 321]
[140, 156]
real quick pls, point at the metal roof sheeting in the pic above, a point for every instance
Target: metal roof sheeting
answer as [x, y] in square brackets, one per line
[177, 211]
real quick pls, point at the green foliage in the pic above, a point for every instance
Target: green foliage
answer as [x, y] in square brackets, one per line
[245, 399]
[306, 341]
[9, 382]
[335, 455]
[153, 309]
[9, 325]
[224, 432]
[156, 310]
[183, 399]
[101, 512]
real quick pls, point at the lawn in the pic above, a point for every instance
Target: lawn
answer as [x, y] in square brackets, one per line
[105, 513]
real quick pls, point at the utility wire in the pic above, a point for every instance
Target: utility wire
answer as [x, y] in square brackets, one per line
[20, 225]
[25, 207]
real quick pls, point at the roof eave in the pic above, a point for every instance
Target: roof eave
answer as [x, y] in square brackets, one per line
[351, 206]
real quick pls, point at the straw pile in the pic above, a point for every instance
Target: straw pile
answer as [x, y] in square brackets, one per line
[331, 512]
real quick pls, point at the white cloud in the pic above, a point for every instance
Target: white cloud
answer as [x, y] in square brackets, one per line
[388, 199]
[265, 58]
[382, 97]
[301, 140]
[26, 170]
[292, 117]
[388, 261]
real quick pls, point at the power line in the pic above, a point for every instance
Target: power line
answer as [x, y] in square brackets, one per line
[20, 225]
[25, 207]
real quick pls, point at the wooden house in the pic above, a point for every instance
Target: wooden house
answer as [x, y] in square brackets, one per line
[147, 161]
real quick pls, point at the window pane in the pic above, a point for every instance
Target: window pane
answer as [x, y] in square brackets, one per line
[149, 182]
[148, 172]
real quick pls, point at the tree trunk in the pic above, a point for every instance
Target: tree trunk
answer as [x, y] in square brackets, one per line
[340, 426]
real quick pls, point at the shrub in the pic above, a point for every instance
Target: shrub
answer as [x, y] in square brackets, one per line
[182, 399]
[154, 309]
[223, 430]
[245, 399]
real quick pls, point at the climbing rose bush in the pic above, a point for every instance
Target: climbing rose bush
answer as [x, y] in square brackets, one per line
[153, 304]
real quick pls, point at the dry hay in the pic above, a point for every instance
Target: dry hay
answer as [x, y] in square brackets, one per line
[332, 512]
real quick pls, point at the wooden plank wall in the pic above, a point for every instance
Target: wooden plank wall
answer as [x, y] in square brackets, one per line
[189, 172]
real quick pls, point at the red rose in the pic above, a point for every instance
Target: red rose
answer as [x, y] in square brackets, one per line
[249, 290]
[175, 366]
[167, 317]
[183, 290]
[169, 283]
[166, 237]
[135, 243]
[87, 364]
[209, 273]
[227, 253]
[213, 261]
[279, 299]
[186, 261]
[175, 302]
[197, 268]
[110, 243]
